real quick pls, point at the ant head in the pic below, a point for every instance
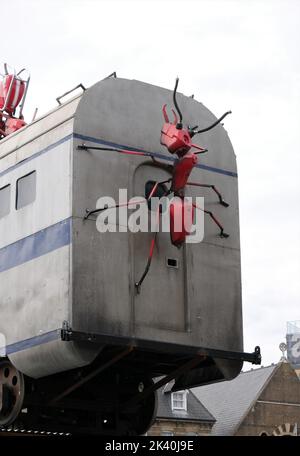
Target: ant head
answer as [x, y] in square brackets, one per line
[175, 136]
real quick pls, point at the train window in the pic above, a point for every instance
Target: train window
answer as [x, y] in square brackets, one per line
[26, 190]
[4, 201]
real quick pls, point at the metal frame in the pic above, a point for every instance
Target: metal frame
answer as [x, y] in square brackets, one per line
[79, 86]
[82, 381]
[67, 334]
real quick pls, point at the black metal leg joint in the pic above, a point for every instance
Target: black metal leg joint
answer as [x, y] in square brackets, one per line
[223, 234]
[82, 147]
[257, 355]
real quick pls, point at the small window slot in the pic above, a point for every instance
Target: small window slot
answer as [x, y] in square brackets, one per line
[172, 263]
[4, 201]
[26, 190]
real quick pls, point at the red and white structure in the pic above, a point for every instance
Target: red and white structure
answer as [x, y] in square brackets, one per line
[13, 91]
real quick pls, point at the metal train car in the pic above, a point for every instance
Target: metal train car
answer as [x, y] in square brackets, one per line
[82, 346]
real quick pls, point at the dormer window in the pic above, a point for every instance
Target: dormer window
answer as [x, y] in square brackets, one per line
[179, 401]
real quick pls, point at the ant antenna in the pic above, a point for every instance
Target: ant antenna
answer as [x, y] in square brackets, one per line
[179, 125]
[211, 126]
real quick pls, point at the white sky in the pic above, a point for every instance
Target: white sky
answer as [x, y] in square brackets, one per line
[241, 55]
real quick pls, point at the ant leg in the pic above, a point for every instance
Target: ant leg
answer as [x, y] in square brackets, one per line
[162, 165]
[128, 203]
[139, 283]
[156, 184]
[221, 201]
[216, 221]
[96, 211]
[152, 245]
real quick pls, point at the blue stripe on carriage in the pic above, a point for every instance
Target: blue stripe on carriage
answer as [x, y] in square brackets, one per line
[36, 245]
[109, 144]
[37, 154]
[58, 235]
[31, 342]
[153, 154]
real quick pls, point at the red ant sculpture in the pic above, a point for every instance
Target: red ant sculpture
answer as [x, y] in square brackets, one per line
[13, 91]
[178, 140]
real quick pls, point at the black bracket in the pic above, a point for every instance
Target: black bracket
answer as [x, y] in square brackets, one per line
[67, 334]
[66, 331]
[257, 355]
[79, 86]
[112, 75]
[94, 211]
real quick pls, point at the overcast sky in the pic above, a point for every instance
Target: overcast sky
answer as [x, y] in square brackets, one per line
[241, 55]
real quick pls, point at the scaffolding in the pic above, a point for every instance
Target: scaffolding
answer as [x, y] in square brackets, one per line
[293, 343]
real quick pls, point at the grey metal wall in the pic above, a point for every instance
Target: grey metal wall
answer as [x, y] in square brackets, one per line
[89, 281]
[35, 246]
[200, 302]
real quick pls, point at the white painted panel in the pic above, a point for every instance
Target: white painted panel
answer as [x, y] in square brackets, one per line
[35, 296]
[37, 145]
[53, 194]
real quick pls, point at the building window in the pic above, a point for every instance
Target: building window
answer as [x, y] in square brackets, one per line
[179, 400]
[26, 190]
[4, 201]
[166, 433]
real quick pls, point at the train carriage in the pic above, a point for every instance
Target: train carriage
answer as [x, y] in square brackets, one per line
[82, 345]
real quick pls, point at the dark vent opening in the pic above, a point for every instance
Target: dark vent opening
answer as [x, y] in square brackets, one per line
[172, 262]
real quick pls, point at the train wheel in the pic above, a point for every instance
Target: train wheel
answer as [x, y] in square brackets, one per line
[11, 392]
[139, 422]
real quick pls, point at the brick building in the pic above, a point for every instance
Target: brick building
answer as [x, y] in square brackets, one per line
[263, 401]
[181, 413]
